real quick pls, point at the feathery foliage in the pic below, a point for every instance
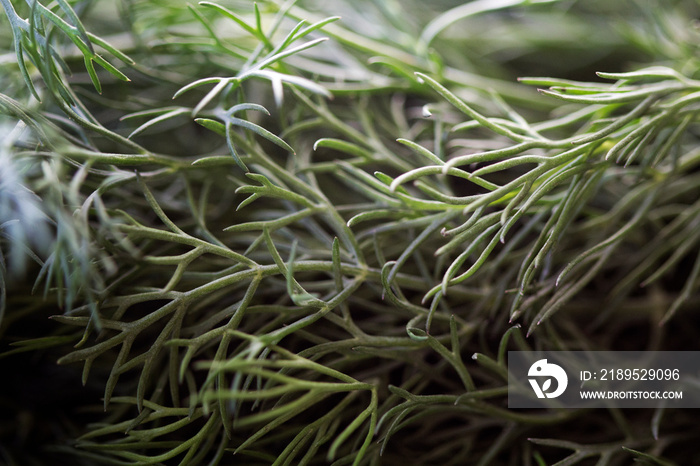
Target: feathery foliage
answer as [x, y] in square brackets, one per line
[308, 232]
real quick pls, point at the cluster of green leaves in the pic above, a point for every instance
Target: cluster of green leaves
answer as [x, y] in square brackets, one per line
[296, 261]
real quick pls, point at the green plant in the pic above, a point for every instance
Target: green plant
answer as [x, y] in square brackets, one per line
[283, 234]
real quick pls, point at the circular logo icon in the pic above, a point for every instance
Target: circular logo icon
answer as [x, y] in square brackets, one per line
[543, 371]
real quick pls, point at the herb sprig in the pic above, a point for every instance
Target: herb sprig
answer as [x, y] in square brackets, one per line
[304, 239]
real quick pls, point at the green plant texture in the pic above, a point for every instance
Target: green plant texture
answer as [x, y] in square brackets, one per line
[305, 232]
